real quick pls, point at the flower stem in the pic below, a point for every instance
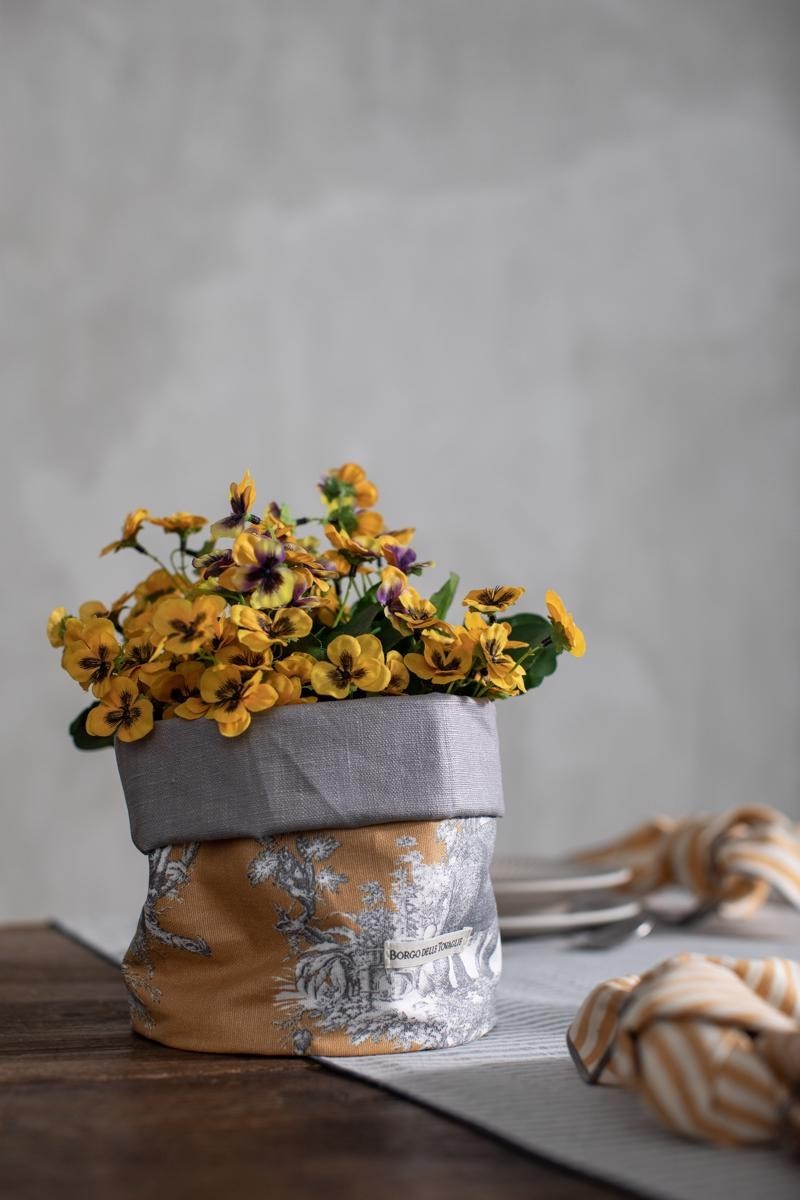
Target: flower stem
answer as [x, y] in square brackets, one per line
[176, 574]
[343, 604]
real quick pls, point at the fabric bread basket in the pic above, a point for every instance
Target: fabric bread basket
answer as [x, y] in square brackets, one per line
[319, 885]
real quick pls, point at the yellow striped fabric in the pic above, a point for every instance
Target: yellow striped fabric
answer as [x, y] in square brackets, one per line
[732, 859]
[711, 1044]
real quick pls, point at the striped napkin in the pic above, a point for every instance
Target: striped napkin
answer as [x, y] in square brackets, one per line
[711, 1044]
[732, 860]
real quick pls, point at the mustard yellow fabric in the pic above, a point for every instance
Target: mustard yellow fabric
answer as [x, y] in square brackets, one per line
[277, 946]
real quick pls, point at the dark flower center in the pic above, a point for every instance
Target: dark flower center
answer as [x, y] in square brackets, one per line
[251, 660]
[268, 575]
[187, 630]
[229, 695]
[99, 664]
[348, 671]
[127, 715]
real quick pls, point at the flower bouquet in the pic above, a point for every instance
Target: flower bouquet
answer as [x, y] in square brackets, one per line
[319, 873]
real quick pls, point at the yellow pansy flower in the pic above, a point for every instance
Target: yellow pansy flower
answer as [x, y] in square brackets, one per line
[443, 660]
[492, 599]
[399, 677]
[338, 562]
[175, 688]
[188, 625]
[569, 633]
[141, 656]
[73, 630]
[393, 581]
[260, 628]
[349, 485]
[327, 610]
[56, 624]
[307, 566]
[369, 524]
[500, 666]
[289, 689]
[180, 522]
[89, 658]
[123, 711]
[474, 625]
[361, 547]
[225, 635]
[259, 571]
[273, 524]
[353, 663]
[232, 697]
[402, 536]
[158, 583]
[410, 612]
[92, 608]
[510, 681]
[130, 527]
[242, 497]
[297, 665]
[246, 658]
[212, 565]
[308, 587]
[400, 554]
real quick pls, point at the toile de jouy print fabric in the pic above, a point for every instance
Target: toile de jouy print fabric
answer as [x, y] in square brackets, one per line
[269, 928]
[279, 945]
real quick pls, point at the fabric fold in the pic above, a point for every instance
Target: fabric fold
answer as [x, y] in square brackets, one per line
[711, 1044]
[326, 766]
[732, 860]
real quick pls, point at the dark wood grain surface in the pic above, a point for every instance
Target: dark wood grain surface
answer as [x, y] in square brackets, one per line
[88, 1110]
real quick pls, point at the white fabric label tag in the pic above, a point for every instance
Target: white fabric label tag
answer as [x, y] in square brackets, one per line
[414, 952]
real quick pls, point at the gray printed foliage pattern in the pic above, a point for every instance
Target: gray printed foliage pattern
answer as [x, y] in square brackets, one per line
[339, 981]
[168, 876]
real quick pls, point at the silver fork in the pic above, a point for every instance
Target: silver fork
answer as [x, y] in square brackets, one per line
[640, 926]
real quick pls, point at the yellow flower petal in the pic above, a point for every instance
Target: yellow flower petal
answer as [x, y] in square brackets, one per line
[398, 672]
[297, 665]
[577, 642]
[55, 626]
[344, 650]
[214, 680]
[325, 680]
[555, 607]
[493, 599]
[231, 729]
[370, 646]
[370, 675]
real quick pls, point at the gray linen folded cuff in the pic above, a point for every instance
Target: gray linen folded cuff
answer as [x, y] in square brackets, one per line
[333, 765]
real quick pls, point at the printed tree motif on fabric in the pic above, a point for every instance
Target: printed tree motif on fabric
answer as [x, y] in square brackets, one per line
[168, 875]
[340, 982]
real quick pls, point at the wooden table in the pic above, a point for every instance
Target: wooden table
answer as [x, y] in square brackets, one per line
[88, 1110]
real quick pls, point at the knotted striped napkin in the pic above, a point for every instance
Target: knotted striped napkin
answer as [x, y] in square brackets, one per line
[711, 1044]
[731, 860]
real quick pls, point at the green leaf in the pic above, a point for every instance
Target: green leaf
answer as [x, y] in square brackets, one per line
[308, 645]
[543, 664]
[84, 740]
[442, 599]
[391, 637]
[364, 601]
[361, 620]
[530, 628]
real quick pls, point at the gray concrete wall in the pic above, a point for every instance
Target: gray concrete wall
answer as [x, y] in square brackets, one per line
[534, 262]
